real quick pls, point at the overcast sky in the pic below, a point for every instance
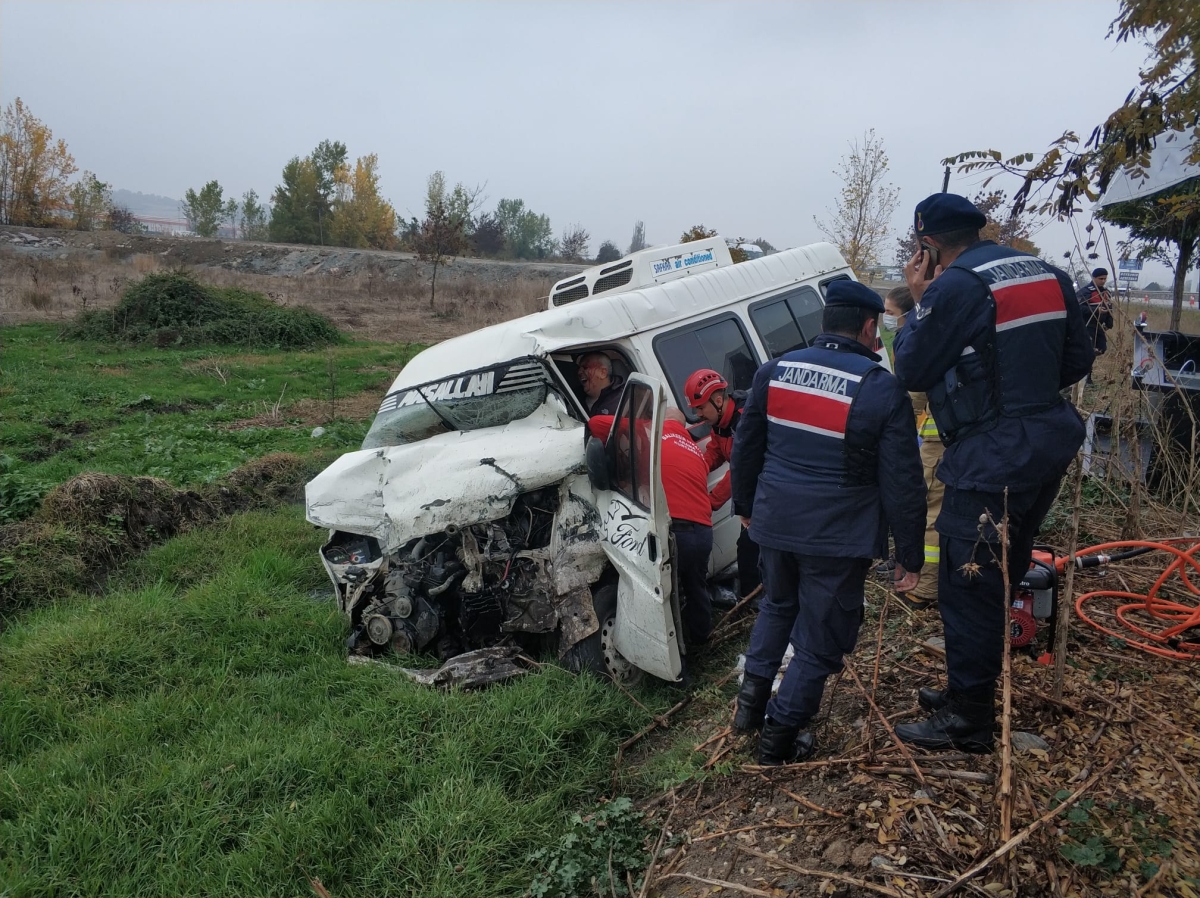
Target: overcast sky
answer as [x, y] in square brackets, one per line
[733, 115]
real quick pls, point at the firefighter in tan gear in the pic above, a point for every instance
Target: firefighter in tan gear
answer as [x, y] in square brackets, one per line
[897, 304]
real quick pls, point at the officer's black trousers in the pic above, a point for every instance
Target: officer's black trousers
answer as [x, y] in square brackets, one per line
[747, 561]
[970, 584]
[693, 546]
[817, 603]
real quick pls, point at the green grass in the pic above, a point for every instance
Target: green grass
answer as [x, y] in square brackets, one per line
[198, 732]
[75, 406]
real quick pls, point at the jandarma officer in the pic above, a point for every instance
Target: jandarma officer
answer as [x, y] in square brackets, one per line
[995, 335]
[824, 462]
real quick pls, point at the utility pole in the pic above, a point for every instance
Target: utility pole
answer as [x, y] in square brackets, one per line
[946, 180]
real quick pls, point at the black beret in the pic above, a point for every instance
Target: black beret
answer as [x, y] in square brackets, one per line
[845, 292]
[1099, 271]
[944, 212]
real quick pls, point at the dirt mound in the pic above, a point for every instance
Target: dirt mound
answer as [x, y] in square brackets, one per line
[92, 523]
[142, 509]
[274, 479]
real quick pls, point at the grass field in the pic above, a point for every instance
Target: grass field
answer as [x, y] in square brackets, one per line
[187, 416]
[196, 730]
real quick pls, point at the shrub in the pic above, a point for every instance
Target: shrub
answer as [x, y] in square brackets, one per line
[173, 308]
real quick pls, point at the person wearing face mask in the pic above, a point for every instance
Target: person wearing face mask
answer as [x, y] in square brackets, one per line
[896, 307]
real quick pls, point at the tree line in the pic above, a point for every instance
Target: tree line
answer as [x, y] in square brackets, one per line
[321, 199]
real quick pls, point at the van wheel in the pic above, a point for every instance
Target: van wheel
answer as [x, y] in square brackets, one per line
[597, 654]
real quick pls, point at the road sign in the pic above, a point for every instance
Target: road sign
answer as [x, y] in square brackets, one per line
[1128, 277]
[1129, 265]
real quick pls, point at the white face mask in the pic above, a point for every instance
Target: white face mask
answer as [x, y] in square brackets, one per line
[890, 322]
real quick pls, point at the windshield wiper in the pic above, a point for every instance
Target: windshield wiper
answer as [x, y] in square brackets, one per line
[434, 409]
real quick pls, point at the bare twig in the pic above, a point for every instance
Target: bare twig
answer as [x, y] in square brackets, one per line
[1006, 763]
[1153, 880]
[969, 776]
[722, 883]
[760, 769]
[1027, 831]
[886, 725]
[1063, 618]
[849, 880]
[875, 674]
[804, 801]
[719, 734]
[727, 621]
[657, 848]
[746, 829]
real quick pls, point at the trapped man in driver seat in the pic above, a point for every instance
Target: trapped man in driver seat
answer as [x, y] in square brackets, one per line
[600, 384]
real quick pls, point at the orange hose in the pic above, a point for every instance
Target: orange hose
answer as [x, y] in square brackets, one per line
[1164, 642]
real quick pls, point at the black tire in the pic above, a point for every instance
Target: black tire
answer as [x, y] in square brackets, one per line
[595, 654]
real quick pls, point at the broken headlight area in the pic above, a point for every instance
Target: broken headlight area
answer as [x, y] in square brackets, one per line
[454, 591]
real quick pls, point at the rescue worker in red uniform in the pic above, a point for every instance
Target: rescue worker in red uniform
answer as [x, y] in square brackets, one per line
[995, 334]
[825, 462]
[708, 393]
[685, 484]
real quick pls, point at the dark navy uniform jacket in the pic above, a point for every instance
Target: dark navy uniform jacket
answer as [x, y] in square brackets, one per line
[825, 457]
[994, 339]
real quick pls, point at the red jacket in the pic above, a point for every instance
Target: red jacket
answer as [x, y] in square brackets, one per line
[720, 450]
[684, 470]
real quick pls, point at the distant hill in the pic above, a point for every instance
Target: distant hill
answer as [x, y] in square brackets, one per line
[147, 205]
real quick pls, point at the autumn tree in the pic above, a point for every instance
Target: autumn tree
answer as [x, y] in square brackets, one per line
[574, 242]
[35, 169]
[862, 214]
[254, 218]
[527, 235]
[303, 203]
[1075, 172]
[1002, 226]
[443, 233]
[638, 241]
[360, 216]
[487, 235]
[91, 200]
[123, 221]
[328, 159]
[231, 214]
[608, 252]
[294, 205]
[204, 210]
[696, 232]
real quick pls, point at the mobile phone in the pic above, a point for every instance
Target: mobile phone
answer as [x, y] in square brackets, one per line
[933, 260]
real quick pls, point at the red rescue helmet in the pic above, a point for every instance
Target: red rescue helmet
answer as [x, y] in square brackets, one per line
[700, 386]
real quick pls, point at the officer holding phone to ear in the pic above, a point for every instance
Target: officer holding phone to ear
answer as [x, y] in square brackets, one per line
[994, 336]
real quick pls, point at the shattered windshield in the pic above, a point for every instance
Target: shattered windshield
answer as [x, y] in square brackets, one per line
[490, 397]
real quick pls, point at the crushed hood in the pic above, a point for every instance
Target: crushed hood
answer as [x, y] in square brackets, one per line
[398, 493]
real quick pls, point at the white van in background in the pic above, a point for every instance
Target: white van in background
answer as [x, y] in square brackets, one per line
[473, 514]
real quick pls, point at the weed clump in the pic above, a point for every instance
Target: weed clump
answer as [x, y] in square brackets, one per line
[172, 308]
[94, 522]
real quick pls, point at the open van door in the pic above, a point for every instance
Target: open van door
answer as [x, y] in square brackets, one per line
[636, 531]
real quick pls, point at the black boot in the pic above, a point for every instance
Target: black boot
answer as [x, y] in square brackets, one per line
[752, 703]
[783, 744]
[963, 722]
[932, 699]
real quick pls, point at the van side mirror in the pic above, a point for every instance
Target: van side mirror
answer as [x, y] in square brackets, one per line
[597, 464]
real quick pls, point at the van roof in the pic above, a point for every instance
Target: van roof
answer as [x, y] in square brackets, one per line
[605, 318]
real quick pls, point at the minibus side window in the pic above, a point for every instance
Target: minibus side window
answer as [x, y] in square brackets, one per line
[719, 343]
[789, 321]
